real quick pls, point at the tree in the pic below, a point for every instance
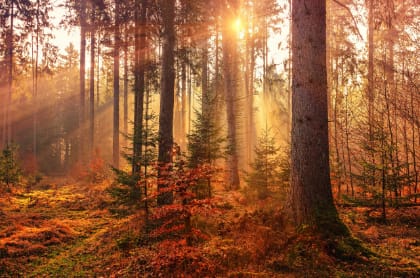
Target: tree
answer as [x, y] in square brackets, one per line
[9, 169]
[140, 34]
[231, 89]
[116, 125]
[167, 94]
[205, 142]
[41, 10]
[265, 169]
[16, 16]
[82, 89]
[311, 196]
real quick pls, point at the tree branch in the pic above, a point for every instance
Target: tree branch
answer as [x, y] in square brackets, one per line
[354, 20]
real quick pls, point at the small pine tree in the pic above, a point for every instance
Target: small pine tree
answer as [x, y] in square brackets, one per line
[378, 173]
[129, 189]
[266, 167]
[10, 171]
[204, 144]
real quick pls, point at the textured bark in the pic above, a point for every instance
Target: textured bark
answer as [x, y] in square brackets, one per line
[310, 196]
[167, 95]
[231, 91]
[116, 125]
[139, 84]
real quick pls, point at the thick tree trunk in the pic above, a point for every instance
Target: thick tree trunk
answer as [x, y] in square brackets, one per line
[167, 96]
[116, 130]
[310, 196]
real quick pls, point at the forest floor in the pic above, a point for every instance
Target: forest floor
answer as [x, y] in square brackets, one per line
[62, 228]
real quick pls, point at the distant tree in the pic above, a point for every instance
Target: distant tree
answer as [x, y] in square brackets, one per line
[15, 18]
[68, 106]
[41, 22]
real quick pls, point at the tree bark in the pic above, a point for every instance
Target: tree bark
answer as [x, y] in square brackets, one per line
[116, 130]
[167, 97]
[125, 81]
[370, 93]
[92, 89]
[311, 196]
[139, 82]
[230, 76]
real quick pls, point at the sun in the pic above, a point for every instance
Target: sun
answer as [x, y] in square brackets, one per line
[238, 25]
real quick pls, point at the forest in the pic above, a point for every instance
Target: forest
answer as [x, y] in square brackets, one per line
[217, 138]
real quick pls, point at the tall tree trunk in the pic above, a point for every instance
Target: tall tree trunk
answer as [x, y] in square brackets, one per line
[126, 80]
[116, 130]
[82, 78]
[92, 89]
[139, 83]
[230, 74]
[349, 160]
[249, 90]
[8, 117]
[413, 143]
[98, 69]
[205, 101]
[35, 93]
[311, 197]
[183, 104]
[167, 95]
[370, 93]
[289, 76]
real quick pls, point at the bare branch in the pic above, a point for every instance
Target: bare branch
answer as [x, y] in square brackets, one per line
[354, 20]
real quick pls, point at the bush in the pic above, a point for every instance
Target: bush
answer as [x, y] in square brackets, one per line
[10, 171]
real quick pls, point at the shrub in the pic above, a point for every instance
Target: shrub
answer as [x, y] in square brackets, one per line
[10, 171]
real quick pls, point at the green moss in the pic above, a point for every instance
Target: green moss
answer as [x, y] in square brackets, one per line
[348, 249]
